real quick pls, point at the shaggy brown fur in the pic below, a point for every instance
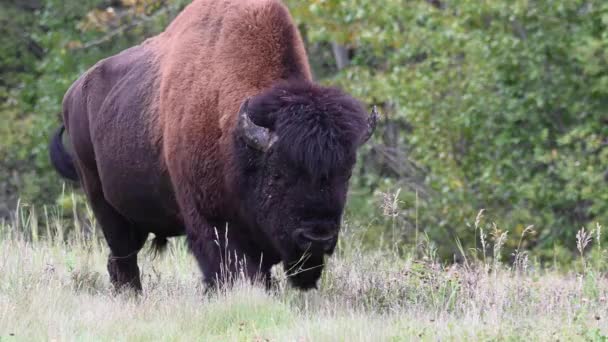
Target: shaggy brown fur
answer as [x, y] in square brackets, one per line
[157, 148]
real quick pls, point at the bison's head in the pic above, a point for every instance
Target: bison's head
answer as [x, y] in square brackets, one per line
[296, 147]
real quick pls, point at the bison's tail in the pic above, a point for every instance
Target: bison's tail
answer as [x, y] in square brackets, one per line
[60, 158]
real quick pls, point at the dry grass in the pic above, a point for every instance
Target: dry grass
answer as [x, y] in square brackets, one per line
[58, 289]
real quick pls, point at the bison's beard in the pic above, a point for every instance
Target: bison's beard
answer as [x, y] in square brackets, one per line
[303, 273]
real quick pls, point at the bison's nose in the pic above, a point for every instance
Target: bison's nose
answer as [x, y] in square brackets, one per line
[316, 239]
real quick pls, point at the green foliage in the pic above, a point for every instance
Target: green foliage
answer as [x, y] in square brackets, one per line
[506, 101]
[498, 105]
[73, 35]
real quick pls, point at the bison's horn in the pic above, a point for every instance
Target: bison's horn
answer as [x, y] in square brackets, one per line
[371, 125]
[255, 136]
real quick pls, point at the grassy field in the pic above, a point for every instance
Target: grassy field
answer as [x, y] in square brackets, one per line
[57, 289]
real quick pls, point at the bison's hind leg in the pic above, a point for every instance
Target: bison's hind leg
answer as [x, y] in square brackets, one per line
[125, 241]
[122, 261]
[124, 238]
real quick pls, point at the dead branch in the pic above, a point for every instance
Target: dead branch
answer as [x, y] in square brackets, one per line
[124, 28]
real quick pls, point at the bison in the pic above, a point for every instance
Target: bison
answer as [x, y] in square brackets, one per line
[215, 129]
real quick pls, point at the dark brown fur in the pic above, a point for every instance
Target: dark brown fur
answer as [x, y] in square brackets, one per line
[157, 149]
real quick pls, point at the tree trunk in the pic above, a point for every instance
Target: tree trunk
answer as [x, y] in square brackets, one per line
[341, 55]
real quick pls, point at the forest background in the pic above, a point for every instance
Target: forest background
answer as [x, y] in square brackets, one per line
[495, 105]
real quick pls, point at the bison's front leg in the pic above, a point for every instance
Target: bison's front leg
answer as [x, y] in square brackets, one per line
[224, 257]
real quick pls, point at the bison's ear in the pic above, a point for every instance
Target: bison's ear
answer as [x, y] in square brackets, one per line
[372, 120]
[255, 136]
